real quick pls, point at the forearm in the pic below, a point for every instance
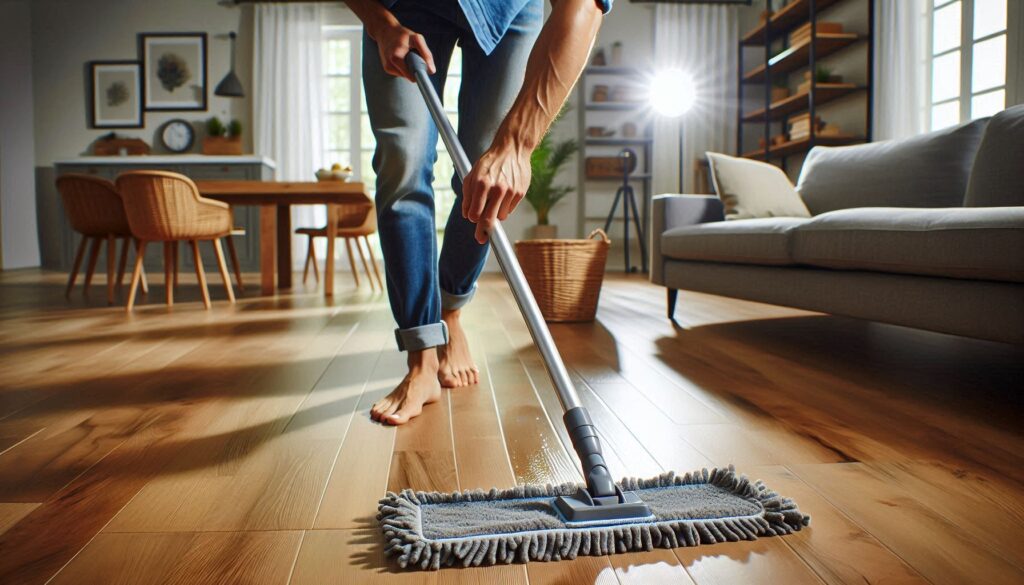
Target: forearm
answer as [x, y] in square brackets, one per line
[557, 59]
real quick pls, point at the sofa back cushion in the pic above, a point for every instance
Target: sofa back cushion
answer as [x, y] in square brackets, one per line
[751, 189]
[997, 178]
[930, 170]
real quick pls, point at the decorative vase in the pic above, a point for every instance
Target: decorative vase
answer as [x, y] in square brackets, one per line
[544, 232]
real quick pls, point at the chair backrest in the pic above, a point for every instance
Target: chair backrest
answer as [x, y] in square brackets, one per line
[167, 206]
[357, 216]
[93, 205]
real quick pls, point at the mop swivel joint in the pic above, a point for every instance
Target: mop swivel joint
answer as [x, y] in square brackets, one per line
[601, 500]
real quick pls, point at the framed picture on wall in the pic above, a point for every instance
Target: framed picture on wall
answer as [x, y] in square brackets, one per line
[173, 70]
[115, 94]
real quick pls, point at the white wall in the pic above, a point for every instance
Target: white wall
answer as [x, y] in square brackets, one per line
[17, 174]
[67, 34]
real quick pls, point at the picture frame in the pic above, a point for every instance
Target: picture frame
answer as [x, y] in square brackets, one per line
[174, 71]
[115, 94]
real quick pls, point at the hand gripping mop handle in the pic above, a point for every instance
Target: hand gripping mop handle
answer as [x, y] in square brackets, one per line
[577, 421]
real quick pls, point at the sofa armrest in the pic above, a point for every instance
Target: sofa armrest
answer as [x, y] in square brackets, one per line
[671, 211]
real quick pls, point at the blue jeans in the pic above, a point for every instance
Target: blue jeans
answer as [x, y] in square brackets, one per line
[421, 284]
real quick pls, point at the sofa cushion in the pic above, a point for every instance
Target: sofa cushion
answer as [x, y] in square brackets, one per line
[997, 178]
[977, 243]
[743, 241]
[930, 170]
[750, 188]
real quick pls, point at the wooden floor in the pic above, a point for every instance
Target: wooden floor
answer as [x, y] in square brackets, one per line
[233, 446]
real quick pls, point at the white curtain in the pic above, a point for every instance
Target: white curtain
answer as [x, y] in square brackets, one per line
[287, 93]
[901, 66]
[703, 41]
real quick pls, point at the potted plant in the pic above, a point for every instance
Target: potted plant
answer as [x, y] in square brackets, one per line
[221, 139]
[547, 159]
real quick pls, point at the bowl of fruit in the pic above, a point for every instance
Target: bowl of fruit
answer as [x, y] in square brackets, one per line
[335, 173]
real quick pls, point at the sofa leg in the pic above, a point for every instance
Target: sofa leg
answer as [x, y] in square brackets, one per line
[673, 294]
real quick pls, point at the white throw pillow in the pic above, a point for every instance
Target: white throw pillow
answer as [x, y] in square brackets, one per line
[750, 188]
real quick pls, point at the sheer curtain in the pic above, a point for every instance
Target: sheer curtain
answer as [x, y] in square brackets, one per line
[703, 41]
[287, 98]
[901, 68]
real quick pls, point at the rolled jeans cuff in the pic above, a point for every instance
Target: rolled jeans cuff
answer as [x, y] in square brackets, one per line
[452, 302]
[422, 337]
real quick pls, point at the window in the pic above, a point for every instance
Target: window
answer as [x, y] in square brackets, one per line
[968, 72]
[348, 139]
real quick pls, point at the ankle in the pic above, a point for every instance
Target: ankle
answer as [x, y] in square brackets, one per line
[424, 360]
[451, 317]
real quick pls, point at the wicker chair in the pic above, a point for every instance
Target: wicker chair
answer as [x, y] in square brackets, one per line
[355, 222]
[166, 207]
[95, 211]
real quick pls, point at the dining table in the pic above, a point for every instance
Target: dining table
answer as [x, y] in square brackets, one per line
[275, 198]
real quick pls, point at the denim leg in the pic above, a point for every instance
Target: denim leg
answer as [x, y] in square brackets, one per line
[403, 160]
[490, 84]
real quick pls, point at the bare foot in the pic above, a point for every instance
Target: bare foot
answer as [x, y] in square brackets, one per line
[457, 366]
[419, 387]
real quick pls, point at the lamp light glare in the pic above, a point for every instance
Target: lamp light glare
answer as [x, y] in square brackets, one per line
[672, 93]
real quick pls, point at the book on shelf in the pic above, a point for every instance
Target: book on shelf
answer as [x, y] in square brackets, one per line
[802, 33]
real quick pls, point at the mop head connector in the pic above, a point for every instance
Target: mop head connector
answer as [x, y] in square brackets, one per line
[430, 530]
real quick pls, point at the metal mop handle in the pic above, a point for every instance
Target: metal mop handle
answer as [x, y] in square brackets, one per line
[581, 430]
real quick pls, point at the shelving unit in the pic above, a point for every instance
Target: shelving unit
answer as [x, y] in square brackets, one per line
[612, 114]
[780, 59]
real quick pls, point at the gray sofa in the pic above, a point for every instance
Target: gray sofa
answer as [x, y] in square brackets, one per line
[925, 233]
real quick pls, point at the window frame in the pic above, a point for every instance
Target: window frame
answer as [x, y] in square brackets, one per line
[353, 34]
[966, 49]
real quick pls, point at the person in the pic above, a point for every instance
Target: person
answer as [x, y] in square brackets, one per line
[516, 75]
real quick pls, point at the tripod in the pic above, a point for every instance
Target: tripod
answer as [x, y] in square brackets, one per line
[625, 192]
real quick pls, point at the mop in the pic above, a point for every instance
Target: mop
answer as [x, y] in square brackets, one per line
[430, 530]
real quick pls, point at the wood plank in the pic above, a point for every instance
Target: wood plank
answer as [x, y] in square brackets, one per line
[656, 566]
[184, 558]
[10, 514]
[932, 544]
[836, 548]
[39, 549]
[766, 560]
[362, 467]
[588, 570]
[350, 557]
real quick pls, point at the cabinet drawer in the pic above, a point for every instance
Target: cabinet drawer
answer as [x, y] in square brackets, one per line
[206, 172]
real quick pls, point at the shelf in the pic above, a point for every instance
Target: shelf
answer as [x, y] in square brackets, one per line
[609, 70]
[824, 92]
[798, 55]
[784, 20]
[617, 141]
[803, 145]
[615, 106]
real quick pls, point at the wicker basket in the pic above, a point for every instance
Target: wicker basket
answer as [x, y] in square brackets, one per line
[565, 275]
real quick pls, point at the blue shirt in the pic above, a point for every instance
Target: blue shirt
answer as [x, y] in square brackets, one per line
[489, 19]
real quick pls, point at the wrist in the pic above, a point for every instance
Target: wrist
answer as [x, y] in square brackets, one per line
[511, 141]
[379, 24]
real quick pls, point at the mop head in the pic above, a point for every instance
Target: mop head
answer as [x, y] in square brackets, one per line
[430, 530]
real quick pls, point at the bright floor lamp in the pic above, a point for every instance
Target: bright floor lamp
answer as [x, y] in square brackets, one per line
[672, 95]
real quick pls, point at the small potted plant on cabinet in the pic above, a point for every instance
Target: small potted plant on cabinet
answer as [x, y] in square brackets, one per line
[221, 139]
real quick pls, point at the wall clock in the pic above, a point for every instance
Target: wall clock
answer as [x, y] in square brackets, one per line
[177, 136]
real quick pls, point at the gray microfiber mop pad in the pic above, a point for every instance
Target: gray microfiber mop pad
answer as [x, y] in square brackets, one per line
[430, 530]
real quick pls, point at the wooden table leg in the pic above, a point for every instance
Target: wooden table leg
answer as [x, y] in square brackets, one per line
[332, 234]
[268, 247]
[284, 246]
